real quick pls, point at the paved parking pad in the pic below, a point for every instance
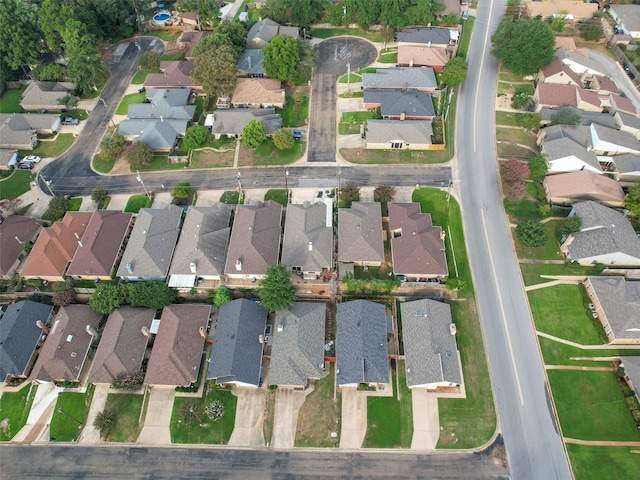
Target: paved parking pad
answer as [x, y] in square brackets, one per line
[354, 418]
[288, 403]
[156, 429]
[247, 431]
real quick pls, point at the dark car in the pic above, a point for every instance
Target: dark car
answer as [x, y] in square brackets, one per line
[308, 37]
[25, 165]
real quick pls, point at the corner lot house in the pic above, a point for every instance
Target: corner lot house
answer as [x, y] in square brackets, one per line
[45, 95]
[20, 130]
[20, 329]
[616, 304]
[431, 352]
[606, 237]
[567, 188]
[297, 354]
[361, 344]
[178, 347]
[360, 234]
[15, 232]
[175, 74]
[64, 353]
[236, 357]
[263, 31]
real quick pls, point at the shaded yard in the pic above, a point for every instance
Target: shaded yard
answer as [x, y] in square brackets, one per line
[10, 101]
[353, 32]
[14, 410]
[295, 117]
[318, 415]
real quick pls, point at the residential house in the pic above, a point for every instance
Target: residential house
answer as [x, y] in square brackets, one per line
[8, 158]
[175, 74]
[151, 245]
[609, 141]
[627, 18]
[627, 169]
[565, 155]
[547, 115]
[64, 353]
[45, 95]
[232, 122]
[580, 63]
[618, 103]
[101, 246]
[263, 31]
[632, 374]
[361, 344]
[122, 344]
[190, 18]
[400, 104]
[552, 95]
[605, 236]
[178, 346]
[427, 47]
[567, 188]
[255, 240]
[558, 73]
[417, 246]
[360, 234]
[615, 302]
[258, 93]
[307, 245]
[250, 65]
[20, 130]
[202, 246]
[297, 351]
[627, 123]
[21, 327]
[401, 78]
[15, 232]
[236, 357]
[55, 247]
[432, 359]
[189, 39]
[399, 134]
[570, 10]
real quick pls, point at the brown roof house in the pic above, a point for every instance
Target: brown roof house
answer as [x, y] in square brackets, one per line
[202, 246]
[255, 240]
[552, 95]
[45, 95]
[55, 247]
[258, 93]
[189, 39]
[615, 302]
[568, 188]
[427, 46]
[101, 246]
[122, 344]
[178, 347]
[15, 232]
[64, 353]
[606, 237]
[151, 244]
[417, 246]
[20, 130]
[360, 234]
[175, 74]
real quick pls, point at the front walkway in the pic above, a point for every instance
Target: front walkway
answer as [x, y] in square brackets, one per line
[426, 422]
[288, 403]
[250, 413]
[156, 429]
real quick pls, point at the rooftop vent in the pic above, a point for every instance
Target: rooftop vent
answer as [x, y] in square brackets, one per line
[452, 328]
[192, 267]
[129, 268]
[238, 264]
[280, 328]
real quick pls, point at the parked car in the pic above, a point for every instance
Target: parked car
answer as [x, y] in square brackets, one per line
[307, 37]
[70, 121]
[25, 165]
[32, 159]
[297, 134]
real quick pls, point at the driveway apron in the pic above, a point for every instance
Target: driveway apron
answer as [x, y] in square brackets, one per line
[156, 429]
[288, 403]
[426, 423]
[354, 418]
[247, 431]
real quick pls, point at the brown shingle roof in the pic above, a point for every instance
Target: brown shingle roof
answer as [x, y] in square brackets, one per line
[553, 95]
[360, 233]
[418, 56]
[14, 232]
[584, 185]
[191, 39]
[175, 73]
[556, 67]
[264, 91]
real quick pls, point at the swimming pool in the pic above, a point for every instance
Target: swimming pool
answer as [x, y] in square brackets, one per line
[160, 18]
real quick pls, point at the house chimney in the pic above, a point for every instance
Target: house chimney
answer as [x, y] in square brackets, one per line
[91, 331]
[203, 332]
[129, 268]
[261, 339]
[310, 246]
[452, 328]
[238, 265]
[192, 267]
[145, 331]
[41, 325]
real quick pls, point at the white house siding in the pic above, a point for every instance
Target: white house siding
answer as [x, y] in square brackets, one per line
[570, 164]
[616, 259]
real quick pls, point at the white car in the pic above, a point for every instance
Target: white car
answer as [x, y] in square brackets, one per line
[32, 159]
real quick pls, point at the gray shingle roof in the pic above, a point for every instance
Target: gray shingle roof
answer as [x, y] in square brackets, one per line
[19, 335]
[632, 369]
[360, 233]
[565, 147]
[308, 240]
[435, 35]
[578, 133]
[297, 353]
[601, 136]
[400, 77]
[620, 301]
[627, 163]
[586, 118]
[237, 352]
[233, 121]
[263, 31]
[361, 343]
[583, 61]
[396, 102]
[630, 15]
[251, 62]
[431, 352]
[408, 131]
[158, 134]
[168, 103]
[628, 120]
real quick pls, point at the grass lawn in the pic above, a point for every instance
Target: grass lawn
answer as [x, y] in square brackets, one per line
[201, 105]
[508, 118]
[292, 118]
[211, 159]
[10, 101]
[141, 75]
[277, 195]
[14, 408]
[358, 117]
[166, 35]
[517, 135]
[132, 98]
[352, 95]
[174, 55]
[549, 251]
[556, 353]
[390, 419]
[127, 408]
[531, 271]
[353, 32]
[18, 183]
[465, 39]
[562, 311]
[507, 151]
[507, 76]
[51, 148]
[230, 197]
[75, 204]
[208, 432]
[391, 57]
[318, 414]
[591, 406]
[160, 162]
[105, 204]
[596, 463]
[102, 164]
[525, 209]
[136, 202]
[356, 77]
[363, 156]
[268, 154]
[70, 415]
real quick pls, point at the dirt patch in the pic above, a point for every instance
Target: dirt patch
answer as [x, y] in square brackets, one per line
[121, 167]
[304, 89]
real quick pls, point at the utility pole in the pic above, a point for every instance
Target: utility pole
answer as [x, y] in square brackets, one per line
[139, 178]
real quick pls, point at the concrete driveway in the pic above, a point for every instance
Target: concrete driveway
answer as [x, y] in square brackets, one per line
[37, 427]
[426, 422]
[90, 434]
[288, 403]
[156, 423]
[354, 418]
[247, 431]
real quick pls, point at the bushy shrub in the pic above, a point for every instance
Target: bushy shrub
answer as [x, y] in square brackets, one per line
[532, 233]
[128, 381]
[214, 410]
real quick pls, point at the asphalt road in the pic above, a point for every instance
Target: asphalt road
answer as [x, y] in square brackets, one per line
[334, 55]
[76, 462]
[534, 447]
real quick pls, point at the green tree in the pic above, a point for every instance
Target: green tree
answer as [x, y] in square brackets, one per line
[283, 139]
[532, 233]
[181, 190]
[254, 134]
[591, 29]
[105, 421]
[111, 145]
[308, 58]
[384, 193]
[106, 298]
[538, 166]
[196, 136]
[569, 225]
[20, 34]
[99, 195]
[207, 10]
[529, 121]
[557, 23]
[235, 33]
[149, 294]
[216, 70]
[520, 100]
[139, 155]
[350, 192]
[58, 206]
[523, 45]
[149, 61]
[64, 294]
[276, 288]
[295, 12]
[454, 73]
[86, 72]
[280, 58]
[566, 117]
[632, 200]
[223, 295]
[49, 73]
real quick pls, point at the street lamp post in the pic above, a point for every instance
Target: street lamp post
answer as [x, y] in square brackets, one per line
[286, 184]
[338, 190]
[139, 178]
[240, 188]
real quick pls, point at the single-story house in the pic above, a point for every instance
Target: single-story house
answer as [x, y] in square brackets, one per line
[255, 240]
[558, 73]
[307, 245]
[578, 133]
[202, 246]
[567, 188]
[627, 168]
[232, 122]
[400, 104]
[609, 141]
[161, 135]
[360, 234]
[552, 95]
[436, 57]
[122, 344]
[250, 65]
[101, 246]
[178, 346]
[565, 155]
[263, 31]
[399, 134]
[606, 237]
[21, 327]
[568, 9]
[432, 359]
[627, 123]
[547, 115]
[238, 341]
[432, 36]
[401, 78]
[20, 130]
[55, 247]
[580, 63]
[45, 95]
[64, 353]
[631, 367]
[417, 246]
[627, 18]
[258, 93]
[151, 244]
[297, 351]
[361, 344]
[175, 74]
[615, 302]
[189, 18]
[189, 39]
[15, 232]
